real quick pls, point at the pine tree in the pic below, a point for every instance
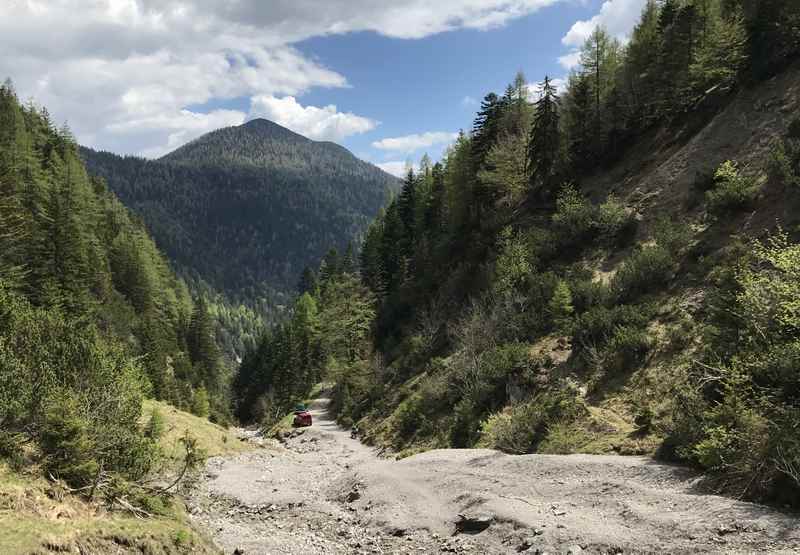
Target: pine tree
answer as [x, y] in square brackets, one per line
[203, 349]
[544, 145]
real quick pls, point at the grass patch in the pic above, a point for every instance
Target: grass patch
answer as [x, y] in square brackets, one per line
[213, 439]
[31, 521]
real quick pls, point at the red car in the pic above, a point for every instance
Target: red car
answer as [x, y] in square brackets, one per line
[301, 419]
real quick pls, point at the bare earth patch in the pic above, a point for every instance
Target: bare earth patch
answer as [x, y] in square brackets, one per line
[327, 493]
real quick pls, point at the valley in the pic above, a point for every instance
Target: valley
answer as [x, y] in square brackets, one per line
[570, 326]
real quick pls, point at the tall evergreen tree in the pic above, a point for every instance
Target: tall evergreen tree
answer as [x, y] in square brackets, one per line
[544, 146]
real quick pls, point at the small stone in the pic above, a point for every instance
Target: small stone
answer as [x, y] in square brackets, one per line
[574, 550]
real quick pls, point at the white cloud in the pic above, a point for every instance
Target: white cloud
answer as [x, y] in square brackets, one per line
[617, 16]
[560, 83]
[411, 143]
[571, 60]
[468, 101]
[323, 124]
[116, 68]
[396, 168]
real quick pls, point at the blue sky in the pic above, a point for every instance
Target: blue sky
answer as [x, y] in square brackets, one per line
[390, 81]
[418, 86]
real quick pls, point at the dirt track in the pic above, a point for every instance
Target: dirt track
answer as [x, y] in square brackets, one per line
[327, 493]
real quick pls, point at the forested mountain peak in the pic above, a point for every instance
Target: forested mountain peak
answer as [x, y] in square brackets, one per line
[262, 143]
[242, 210]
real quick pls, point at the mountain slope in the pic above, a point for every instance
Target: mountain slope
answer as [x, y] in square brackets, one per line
[247, 208]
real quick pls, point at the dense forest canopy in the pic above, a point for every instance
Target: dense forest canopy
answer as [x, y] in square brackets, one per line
[480, 310]
[92, 318]
[247, 208]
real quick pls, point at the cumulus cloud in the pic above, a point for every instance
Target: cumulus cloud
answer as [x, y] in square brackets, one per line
[571, 60]
[322, 124]
[535, 89]
[411, 143]
[617, 16]
[116, 68]
[396, 168]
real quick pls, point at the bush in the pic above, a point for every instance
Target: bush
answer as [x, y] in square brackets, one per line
[560, 307]
[200, 403]
[628, 347]
[598, 325]
[614, 221]
[674, 235]
[155, 426]
[574, 216]
[587, 293]
[577, 220]
[732, 191]
[63, 386]
[522, 428]
[66, 444]
[647, 270]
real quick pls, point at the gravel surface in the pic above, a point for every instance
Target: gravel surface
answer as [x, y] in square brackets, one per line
[323, 492]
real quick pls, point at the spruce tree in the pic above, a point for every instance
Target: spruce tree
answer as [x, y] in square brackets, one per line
[544, 145]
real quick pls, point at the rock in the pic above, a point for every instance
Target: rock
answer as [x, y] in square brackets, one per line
[473, 524]
[574, 550]
[353, 496]
[238, 551]
[524, 545]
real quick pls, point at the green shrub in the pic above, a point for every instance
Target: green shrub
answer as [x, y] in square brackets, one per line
[200, 403]
[522, 428]
[672, 234]
[599, 324]
[628, 347]
[68, 449]
[155, 426]
[648, 269]
[574, 216]
[560, 307]
[587, 293]
[732, 191]
[615, 222]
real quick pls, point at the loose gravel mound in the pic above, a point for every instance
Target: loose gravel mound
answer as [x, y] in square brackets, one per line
[323, 492]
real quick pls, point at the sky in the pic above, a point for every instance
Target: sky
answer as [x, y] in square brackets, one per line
[390, 81]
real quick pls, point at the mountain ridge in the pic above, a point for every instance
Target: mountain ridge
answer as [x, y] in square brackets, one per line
[292, 197]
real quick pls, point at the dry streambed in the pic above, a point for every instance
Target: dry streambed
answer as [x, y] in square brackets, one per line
[322, 492]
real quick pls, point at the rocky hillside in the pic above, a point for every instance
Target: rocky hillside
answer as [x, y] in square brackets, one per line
[609, 269]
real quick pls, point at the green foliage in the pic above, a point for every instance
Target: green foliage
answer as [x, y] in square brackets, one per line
[522, 428]
[574, 216]
[648, 269]
[732, 191]
[66, 443]
[741, 426]
[200, 404]
[784, 163]
[513, 265]
[93, 319]
[247, 208]
[155, 426]
[560, 307]
[578, 222]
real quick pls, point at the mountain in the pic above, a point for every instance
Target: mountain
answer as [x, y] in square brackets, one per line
[247, 208]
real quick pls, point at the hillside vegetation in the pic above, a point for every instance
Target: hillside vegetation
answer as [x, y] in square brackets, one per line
[612, 269]
[264, 200]
[92, 322]
[37, 515]
[241, 211]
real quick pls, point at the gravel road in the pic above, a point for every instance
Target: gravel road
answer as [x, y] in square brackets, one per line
[323, 492]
